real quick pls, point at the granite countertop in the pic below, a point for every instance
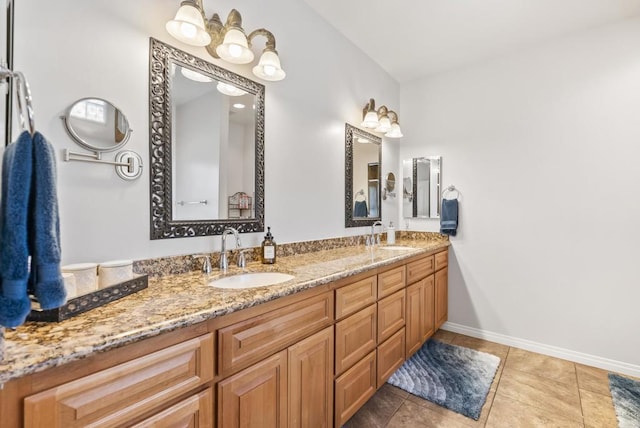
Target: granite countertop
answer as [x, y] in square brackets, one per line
[175, 301]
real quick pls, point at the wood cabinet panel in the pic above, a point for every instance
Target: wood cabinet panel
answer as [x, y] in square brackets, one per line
[311, 381]
[194, 412]
[356, 296]
[354, 388]
[391, 281]
[441, 259]
[355, 337]
[419, 269]
[420, 314]
[390, 356]
[391, 315]
[122, 393]
[442, 297]
[256, 397]
[248, 341]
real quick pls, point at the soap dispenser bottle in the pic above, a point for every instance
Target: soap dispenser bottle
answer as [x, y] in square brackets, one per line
[391, 234]
[268, 248]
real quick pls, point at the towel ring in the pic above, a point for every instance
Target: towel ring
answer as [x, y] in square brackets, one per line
[451, 189]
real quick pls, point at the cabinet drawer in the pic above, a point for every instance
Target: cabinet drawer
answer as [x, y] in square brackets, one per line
[354, 388]
[195, 411]
[117, 395]
[355, 337]
[391, 281]
[442, 259]
[391, 315]
[419, 269]
[390, 356]
[249, 341]
[356, 296]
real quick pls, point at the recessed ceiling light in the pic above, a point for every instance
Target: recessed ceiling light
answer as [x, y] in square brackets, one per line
[238, 105]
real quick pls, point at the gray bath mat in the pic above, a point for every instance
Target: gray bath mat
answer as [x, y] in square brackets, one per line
[451, 376]
[626, 400]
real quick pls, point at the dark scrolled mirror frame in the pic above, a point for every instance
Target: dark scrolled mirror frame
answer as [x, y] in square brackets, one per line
[163, 226]
[350, 134]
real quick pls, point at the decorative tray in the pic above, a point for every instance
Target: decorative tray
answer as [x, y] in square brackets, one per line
[89, 301]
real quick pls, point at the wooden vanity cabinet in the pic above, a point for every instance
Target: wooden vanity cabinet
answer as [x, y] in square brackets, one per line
[311, 359]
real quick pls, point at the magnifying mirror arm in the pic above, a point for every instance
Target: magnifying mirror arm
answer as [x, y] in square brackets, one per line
[132, 168]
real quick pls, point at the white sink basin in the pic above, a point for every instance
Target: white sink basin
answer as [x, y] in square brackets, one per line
[395, 248]
[250, 280]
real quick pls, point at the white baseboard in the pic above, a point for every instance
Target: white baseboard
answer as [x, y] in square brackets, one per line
[541, 348]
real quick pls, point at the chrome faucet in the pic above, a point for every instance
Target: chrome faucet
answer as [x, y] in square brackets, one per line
[375, 238]
[224, 261]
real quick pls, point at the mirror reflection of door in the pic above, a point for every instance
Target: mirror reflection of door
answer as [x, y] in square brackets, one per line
[214, 147]
[366, 179]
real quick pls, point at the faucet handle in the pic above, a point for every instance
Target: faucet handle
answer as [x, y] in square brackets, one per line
[242, 259]
[206, 264]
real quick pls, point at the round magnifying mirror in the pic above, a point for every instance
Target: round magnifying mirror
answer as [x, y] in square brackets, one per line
[97, 125]
[391, 182]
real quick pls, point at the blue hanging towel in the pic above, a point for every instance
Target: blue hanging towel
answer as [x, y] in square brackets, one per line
[44, 228]
[14, 248]
[449, 217]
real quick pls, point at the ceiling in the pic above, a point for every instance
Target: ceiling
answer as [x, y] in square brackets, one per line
[414, 38]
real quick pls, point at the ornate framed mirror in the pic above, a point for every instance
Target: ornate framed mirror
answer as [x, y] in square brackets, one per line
[206, 140]
[363, 159]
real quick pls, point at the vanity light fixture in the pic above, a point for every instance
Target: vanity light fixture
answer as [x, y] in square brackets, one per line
[228, 42]
[381, 120]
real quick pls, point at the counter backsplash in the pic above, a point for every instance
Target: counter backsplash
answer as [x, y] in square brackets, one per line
[188, 263]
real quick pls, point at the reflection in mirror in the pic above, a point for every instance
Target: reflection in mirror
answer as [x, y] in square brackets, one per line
[213, 147]
[207, 147]
[389, 185]
[97, 125]
[362, 177]
[421, 187]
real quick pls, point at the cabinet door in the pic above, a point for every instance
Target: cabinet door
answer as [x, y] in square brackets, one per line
[420, 314]
[255, 397]
[442, 298]
[415, 317]
[194, 412]
[311, 381]
[429, 322]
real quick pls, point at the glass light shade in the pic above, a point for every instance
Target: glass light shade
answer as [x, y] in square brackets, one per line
[384, 124]
[394, 132]
[188, 26]
[269, 68]
[370, 120]
[234, 48]
[227, 89]
[195, 76]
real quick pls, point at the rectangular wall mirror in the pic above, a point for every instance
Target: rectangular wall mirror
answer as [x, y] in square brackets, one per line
[206, 147]
[421, 187]
[363, 160]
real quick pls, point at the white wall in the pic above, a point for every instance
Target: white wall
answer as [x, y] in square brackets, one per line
[70, 49]
[544, 147]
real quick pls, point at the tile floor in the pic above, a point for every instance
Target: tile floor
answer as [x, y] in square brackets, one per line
[529, 390]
